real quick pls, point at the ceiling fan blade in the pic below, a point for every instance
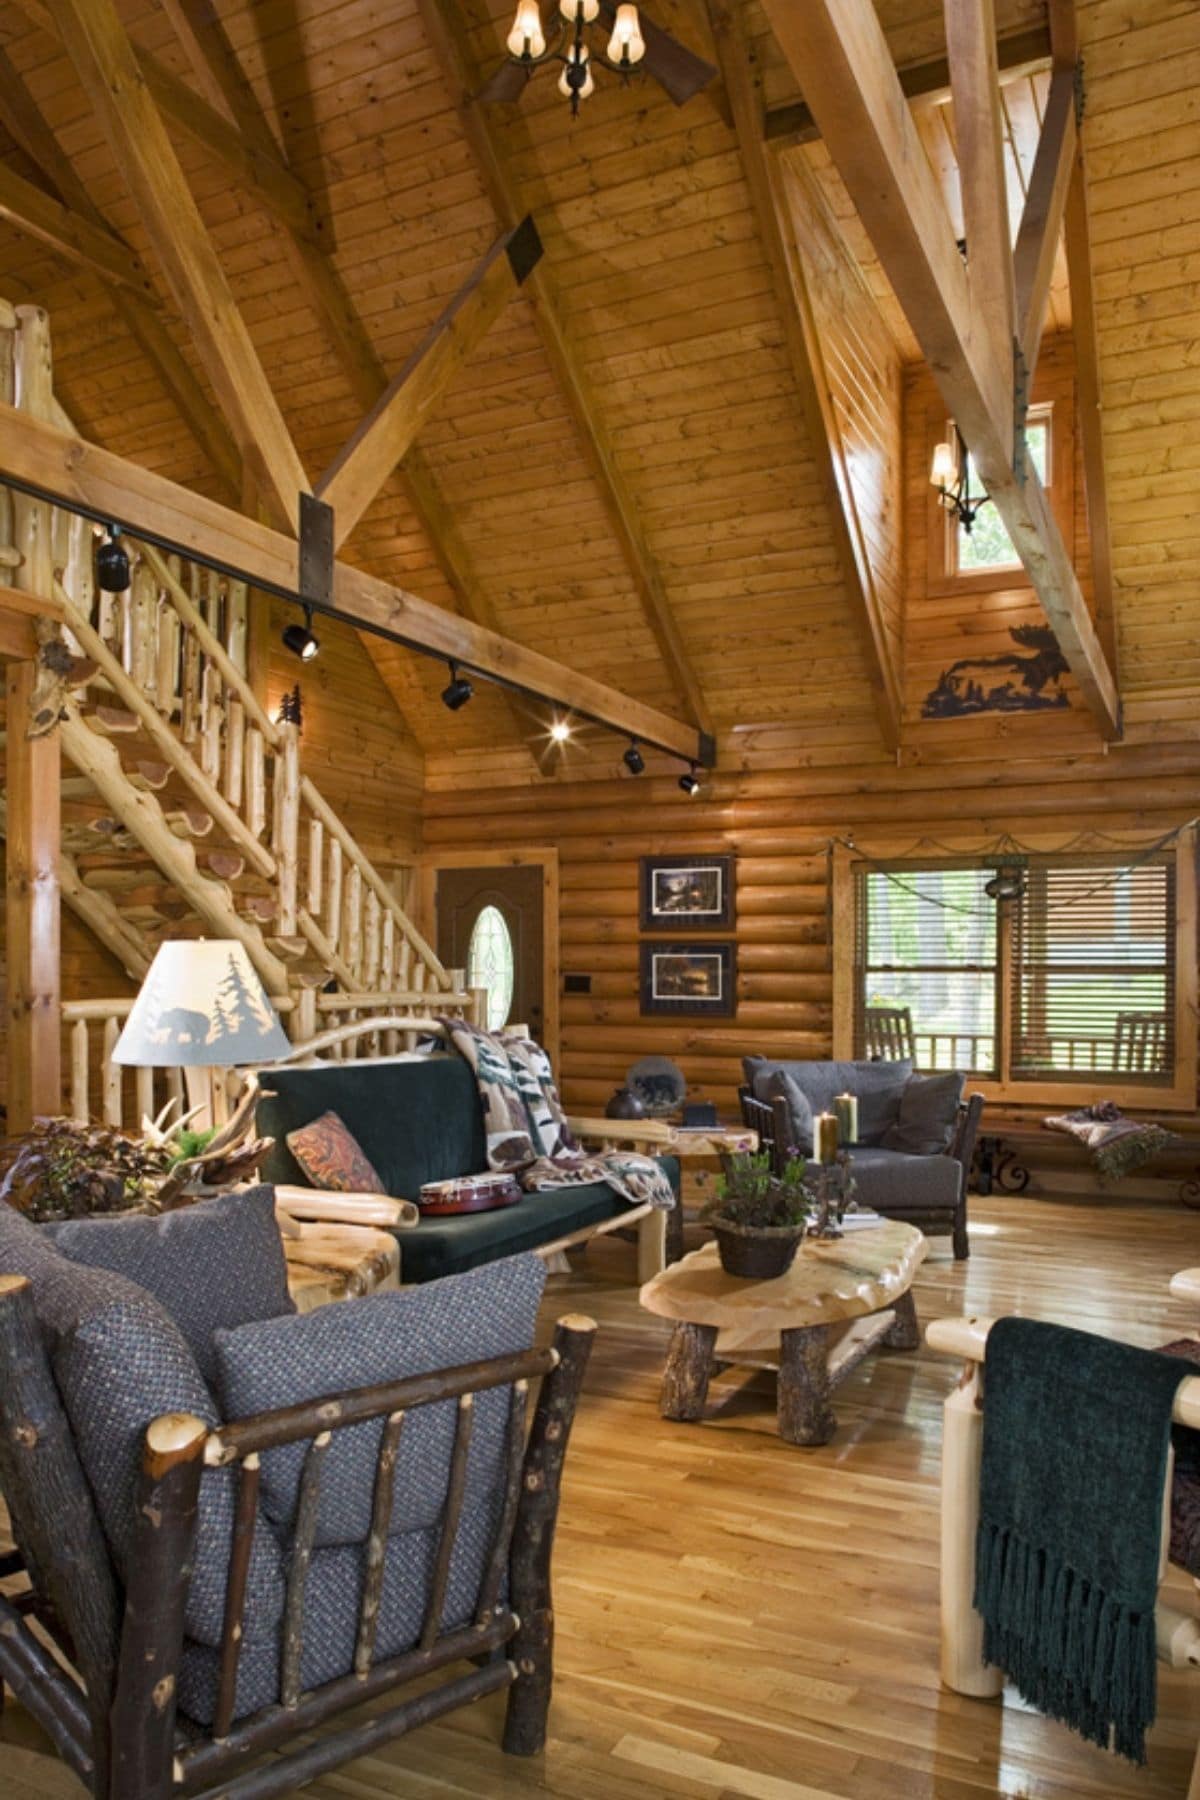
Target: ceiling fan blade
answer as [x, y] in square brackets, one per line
[504, 86]
[676, 68]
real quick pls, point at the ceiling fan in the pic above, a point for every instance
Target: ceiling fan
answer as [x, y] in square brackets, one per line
[635, 42]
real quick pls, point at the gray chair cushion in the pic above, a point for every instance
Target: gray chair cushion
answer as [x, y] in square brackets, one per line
[465, 1318]
[119, 1362]
[894, 1183]
[928, 1114]
[878, 1085]
[782, 1084]
[213, 1266]
[332, 1599]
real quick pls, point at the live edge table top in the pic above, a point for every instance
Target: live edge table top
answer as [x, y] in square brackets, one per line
[830, 1281]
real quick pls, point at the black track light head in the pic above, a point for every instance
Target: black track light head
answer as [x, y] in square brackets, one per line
[633, 759]
[457, 691]
[690, 783]
[112, 563]
[301, 640]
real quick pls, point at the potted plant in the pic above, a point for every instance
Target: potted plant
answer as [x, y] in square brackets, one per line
[59, 1169]
[758, 1217]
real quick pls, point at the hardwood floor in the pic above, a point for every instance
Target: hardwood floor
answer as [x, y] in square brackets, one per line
[742, 1620]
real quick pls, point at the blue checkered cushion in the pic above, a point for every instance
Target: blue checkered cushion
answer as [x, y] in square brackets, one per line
[120, 1362]
[466, 1318]
[213, 1266]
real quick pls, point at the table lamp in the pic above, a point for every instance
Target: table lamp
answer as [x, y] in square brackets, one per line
[201, 1007]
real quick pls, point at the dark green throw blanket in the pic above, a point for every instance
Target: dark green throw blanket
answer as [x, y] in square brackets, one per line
[1075, 1441]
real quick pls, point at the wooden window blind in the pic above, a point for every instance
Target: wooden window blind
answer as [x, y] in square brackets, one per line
[927, 944]
[1093, 971]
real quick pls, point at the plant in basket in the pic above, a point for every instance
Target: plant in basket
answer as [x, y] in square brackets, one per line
[60, 1169]
[758, 1217]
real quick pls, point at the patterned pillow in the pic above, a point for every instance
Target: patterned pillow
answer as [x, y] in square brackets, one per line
[332, 1157]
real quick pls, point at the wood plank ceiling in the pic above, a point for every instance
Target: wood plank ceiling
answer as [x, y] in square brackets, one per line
[663, 288]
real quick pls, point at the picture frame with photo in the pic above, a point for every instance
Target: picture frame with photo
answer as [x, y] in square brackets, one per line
[687, 893]
[699, 980]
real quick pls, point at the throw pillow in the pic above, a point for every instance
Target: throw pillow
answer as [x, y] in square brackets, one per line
[214, 1265]
[779, 1084]
[928, 1113]
[332, 1157]
[487, 1312]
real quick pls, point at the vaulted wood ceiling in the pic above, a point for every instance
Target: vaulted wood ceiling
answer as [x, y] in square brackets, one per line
[624, 474]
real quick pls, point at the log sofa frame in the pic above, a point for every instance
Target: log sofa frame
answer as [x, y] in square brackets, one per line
[962, 1665]
[98, 1668]
[657, 1233]
[771, 1121]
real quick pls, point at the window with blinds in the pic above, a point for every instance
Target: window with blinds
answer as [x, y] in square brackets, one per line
[927, 948]
[1071, 980]
[1093, 971]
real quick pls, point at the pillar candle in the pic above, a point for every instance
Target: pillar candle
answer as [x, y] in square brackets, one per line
[845, 1107]
[825, 1137]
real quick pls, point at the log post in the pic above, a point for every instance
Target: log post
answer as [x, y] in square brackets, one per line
[143, 1713]
[689, 1365]
[533, 1537]
[32, 910]
[805, 1413]
[963, 1667]
[287, 824]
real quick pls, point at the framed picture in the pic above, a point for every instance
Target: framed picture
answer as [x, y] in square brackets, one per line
[687, 893]
[696, 979]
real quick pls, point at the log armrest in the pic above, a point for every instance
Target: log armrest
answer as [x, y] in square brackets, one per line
[654, 1136]
[1186, 1285]
[330, 1206]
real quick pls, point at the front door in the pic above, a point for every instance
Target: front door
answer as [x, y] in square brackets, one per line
[490, 923]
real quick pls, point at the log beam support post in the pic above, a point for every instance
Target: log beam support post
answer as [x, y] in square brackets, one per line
[32, 909]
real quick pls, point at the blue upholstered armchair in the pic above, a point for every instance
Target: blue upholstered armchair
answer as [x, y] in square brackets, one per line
[238, 1522]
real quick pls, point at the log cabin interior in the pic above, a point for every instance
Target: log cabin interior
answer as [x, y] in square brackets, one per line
[601, 765]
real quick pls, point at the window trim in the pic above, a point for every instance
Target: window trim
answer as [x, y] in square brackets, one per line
[1180, 1096]
[999, 573]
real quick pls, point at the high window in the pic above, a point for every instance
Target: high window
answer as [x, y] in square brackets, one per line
[987, 545]
[1064, 975]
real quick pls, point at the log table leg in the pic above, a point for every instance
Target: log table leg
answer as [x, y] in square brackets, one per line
[805, 1414]
[905, 1334]
[689, 1365]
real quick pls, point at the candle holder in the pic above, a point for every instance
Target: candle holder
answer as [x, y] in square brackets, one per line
[832, 1187]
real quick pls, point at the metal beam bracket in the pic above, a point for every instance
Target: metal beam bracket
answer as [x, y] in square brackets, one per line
[315, 571]
[1080, 91]
[1020, 413]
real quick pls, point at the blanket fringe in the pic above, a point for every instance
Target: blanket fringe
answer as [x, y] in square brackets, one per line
[1075, 1652]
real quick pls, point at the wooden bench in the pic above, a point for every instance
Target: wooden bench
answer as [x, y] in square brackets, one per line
[1016, 1154]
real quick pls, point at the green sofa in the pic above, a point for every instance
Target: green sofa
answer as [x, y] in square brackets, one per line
[420, 1120]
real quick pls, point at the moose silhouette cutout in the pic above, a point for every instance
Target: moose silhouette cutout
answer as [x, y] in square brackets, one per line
[1033, 683]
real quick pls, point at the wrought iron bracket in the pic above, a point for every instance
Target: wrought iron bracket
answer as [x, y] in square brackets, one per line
[315, 572]
[1020, 413]
[1080, 91]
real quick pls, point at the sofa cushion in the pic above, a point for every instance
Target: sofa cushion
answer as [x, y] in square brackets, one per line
[897, 1184]
[214, 1265]
[782, 1084]
[878, 1085]
[450, 1245]
[928, 1114]
[332, 1157]
[385, 1337]
[416, 1121]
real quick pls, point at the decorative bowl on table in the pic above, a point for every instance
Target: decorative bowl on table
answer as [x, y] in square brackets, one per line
[659, 1084]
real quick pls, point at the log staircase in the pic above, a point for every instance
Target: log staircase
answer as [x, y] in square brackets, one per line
[185, 807]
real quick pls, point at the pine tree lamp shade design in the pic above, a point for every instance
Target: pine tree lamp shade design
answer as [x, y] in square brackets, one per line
[201, 1006]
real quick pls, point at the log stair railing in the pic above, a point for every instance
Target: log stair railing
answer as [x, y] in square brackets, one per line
[186, 810]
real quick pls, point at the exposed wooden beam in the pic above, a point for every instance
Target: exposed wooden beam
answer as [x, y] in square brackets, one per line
[216, 65]
[448, 41]
[1017, 53]
[256, 171]
[838, 53]
[58, 463]
[365, 462]
[22, 117]
[37, 214]
[1042, 218]
[104, 59]
[979, 135]
[742, 76]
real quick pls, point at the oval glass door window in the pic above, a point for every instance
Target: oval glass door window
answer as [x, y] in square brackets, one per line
[490, 964]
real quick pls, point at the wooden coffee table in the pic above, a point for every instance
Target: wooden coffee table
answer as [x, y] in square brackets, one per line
[840, 1299]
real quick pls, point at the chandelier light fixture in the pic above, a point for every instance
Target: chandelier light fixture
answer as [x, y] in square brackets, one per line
[529, 47]
[950, 474]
